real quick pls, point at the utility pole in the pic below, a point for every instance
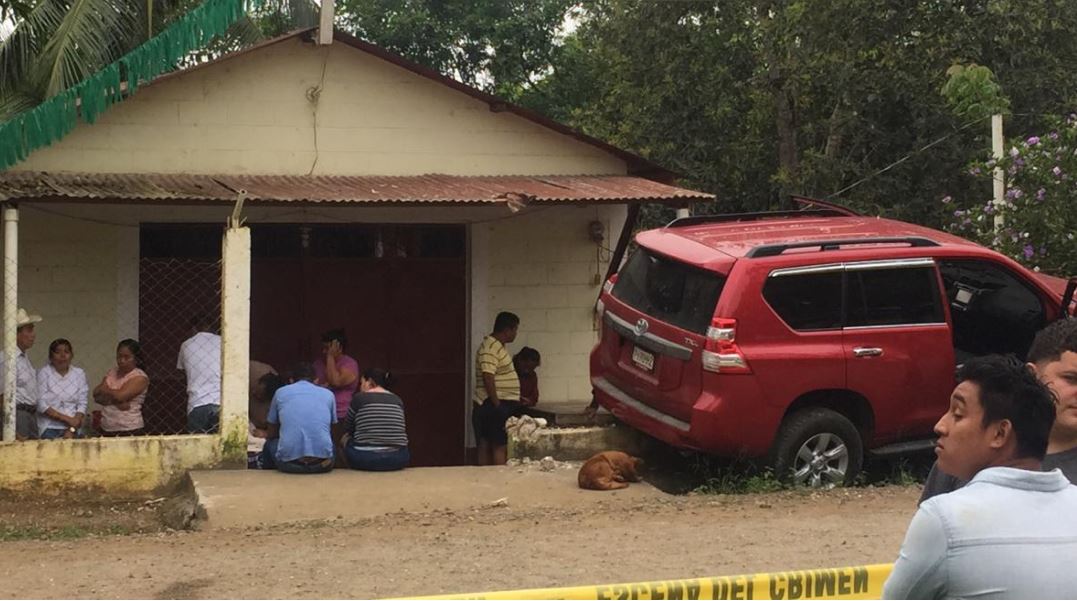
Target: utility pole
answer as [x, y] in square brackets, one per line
[325, 23]
[1000, 182]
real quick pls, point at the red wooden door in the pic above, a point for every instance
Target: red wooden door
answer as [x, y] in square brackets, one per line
[399, 292]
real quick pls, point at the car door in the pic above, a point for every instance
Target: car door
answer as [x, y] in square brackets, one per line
[897, 344]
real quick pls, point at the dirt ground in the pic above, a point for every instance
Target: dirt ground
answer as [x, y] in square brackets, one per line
[443, 552]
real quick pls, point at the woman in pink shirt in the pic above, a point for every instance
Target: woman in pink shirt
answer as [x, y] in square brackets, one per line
[122, 392]
[336, 371]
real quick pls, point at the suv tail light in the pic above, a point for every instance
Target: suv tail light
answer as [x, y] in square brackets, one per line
[607, 288]
[721, 353]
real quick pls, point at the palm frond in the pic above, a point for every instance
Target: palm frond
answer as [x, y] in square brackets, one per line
[91, 34]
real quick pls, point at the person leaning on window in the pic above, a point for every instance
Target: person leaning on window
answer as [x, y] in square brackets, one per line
[122, 392]
[376, 438]
[62, 392]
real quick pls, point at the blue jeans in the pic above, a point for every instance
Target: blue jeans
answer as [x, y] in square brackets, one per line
[54, 433]
[269, 461]
[204, 419]
[376, 461]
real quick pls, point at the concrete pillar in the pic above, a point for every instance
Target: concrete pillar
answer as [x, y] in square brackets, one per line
[235, 344]
[11, 307]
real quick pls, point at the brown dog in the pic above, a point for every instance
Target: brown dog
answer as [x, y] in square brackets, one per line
[609, 470]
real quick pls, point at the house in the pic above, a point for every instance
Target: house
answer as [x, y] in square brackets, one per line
[378, 196]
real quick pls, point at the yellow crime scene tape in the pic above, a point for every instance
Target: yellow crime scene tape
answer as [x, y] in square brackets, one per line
[859, 582]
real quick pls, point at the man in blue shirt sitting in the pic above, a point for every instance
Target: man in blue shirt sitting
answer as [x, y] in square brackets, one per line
[1011, 532]
[298, 440]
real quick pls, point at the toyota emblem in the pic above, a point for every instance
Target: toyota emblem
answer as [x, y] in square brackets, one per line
[641, 327]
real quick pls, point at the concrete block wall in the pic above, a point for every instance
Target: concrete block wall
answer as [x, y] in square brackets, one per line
[73, 274]
[543, 267]
[251, 114]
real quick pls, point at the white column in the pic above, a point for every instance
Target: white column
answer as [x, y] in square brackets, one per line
[684, 212]
[325, 23]
[235, 344]
[997, 151]
[11, 307]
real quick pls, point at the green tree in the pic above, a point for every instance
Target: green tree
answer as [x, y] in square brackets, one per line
[57, 43]
[503, 46]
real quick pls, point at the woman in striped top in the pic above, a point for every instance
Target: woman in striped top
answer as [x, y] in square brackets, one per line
[376, 438]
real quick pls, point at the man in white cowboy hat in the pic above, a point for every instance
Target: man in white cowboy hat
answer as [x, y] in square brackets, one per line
[25, 378]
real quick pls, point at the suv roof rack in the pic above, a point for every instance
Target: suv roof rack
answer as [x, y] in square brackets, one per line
[807, 201]
[730, 217]
[773, 250]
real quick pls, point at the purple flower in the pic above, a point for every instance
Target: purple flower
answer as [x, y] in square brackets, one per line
[1014, 193]
[1029, 251]
[1040, 194]
[1019, 163]
[958, 213]
[989, 208]
[1034, 140]
[1057, 171]
[946, 200]
[1053, 135]
[975, 171]
[1014, 151]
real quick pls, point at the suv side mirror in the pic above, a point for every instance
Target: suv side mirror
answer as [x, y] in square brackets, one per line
[1067, 298]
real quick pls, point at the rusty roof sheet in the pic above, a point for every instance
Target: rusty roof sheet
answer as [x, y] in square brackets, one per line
[434, 188]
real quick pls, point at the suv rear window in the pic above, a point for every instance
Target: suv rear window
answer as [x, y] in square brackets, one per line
[670, 291]
[808, 301]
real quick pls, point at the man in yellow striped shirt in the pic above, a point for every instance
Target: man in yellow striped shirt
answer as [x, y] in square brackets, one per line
[495, 383]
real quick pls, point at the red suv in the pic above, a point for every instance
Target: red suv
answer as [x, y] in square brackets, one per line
[805, 337]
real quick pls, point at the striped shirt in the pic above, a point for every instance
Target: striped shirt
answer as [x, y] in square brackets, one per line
[493, 358]
[376, 420]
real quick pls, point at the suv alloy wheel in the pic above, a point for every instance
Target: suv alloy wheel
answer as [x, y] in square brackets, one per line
[818, 448]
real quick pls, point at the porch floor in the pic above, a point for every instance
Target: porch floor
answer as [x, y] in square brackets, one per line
[236, 498]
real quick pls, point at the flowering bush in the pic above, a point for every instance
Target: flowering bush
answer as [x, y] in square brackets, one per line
[1040, 211]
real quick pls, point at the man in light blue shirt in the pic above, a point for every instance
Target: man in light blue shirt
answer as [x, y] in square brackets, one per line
[298, 440]
[1011, 532]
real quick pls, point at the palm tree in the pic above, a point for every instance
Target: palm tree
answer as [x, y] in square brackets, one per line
[58, 43]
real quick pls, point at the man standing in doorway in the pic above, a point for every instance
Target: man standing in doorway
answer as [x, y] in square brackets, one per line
[200, 358]
[25, 377]
[495, 383]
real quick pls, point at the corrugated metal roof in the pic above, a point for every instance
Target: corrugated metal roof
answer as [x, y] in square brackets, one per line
[435, 188]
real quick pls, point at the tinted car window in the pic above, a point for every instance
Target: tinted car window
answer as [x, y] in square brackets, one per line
[670, 291]
[810, 301]
[885, 297]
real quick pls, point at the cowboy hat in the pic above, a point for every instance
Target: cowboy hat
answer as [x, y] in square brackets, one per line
[22, 318]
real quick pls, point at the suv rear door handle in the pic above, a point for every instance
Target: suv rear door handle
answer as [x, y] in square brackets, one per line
[867, 352]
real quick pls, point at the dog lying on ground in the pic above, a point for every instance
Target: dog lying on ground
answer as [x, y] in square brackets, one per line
[609, 470]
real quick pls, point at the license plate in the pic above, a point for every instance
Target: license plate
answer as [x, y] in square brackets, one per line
[643, 358]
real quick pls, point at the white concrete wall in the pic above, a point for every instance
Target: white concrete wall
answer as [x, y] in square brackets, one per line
[77, 275]
[251, 114]
[82, 275]
[543, 267]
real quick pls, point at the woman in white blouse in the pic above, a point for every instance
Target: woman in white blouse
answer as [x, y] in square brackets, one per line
[62, 394]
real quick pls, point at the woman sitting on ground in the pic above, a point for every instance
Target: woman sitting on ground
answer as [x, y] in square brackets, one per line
[122, 392]
[62, 394]
[375, 435]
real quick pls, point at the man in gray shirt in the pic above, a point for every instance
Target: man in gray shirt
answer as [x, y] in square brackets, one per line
[1053, 356]
[1011, 532]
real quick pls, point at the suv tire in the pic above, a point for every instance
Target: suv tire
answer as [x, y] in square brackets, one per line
[818, 448]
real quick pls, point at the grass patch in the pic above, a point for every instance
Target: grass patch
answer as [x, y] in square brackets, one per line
[69, 532]
[732, 483]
